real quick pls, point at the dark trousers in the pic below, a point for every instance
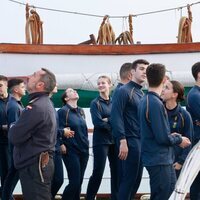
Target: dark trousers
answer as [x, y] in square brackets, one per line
[162, 181]
[177, 173]
[11, 178]
[4, 162]
[36, 184]
[58, 176]
[101, 152]
[195, 188]
[10, 183]
[130, 171]
[75, 164]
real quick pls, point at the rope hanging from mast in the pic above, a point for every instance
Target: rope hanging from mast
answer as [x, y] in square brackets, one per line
[126, 37]
[106, 34]
[184, 32]
[33, 27]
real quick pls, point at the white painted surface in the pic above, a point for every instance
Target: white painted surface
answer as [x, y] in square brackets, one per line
[83, 70]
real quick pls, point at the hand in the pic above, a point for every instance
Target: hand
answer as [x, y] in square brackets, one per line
[197, 123]
[63, 149]
[177, 166]
[174, 133]
[5, 127]
[105, 119]
[123, 150]
[185, 142]
[68, 133]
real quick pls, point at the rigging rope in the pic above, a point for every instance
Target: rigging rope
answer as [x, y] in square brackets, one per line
[106, 34]
[126, 37]
[100, 16]
[33, 27]
[184, 32]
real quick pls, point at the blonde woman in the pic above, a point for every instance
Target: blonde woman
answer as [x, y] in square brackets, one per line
[103, 145]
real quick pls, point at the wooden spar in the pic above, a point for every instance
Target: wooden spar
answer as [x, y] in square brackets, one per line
[99, 49]
[92, 40]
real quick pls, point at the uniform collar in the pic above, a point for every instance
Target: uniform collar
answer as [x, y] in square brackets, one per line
[71, 108]
[101, 99]
[36, 95]
[174, 111]
[155, 94]
[134, 84]
[119, 85]
[6, 99]
[197, 87]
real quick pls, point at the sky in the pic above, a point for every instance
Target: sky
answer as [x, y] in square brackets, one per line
[63, 28]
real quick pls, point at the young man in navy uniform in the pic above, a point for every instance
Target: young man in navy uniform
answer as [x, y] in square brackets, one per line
[125, 76]
[34, 138]
[157, 140]
[125, 124]
[14, 109]
[193, 106]
[4, 152]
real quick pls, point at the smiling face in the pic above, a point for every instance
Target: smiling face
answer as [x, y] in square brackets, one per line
[139, 74]
[104, 84]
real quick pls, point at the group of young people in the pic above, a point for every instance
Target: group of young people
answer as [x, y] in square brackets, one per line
[132, 129]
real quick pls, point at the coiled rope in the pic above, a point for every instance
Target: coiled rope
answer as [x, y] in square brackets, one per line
[106, 34]
[184, 32]
[33, 27]
[126, 37]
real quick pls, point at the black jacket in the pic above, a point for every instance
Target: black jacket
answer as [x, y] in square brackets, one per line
[35, 131]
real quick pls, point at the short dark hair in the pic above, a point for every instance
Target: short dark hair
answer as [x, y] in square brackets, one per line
[139, 61]
[196, 70]
[49, 80]
[179, 89]
[14, 82]
[124, 70]
[3, 78]
[64, 95]
[155, 74]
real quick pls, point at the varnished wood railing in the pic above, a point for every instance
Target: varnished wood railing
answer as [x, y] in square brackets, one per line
[100, 49]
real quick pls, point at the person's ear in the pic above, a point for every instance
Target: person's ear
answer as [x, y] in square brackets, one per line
[198, 76]
[130, 75]
[175, 95]
[66, 99]
[40, 84]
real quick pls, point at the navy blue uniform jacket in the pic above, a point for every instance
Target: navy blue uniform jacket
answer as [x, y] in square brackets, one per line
[14, 110]
[193, 106]
[60, 133]
[157, 141]
[35, 130]
[124, 114]
[3, 120]
[180, 122]
[116, 89]
[75, 119]
[99, 109]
